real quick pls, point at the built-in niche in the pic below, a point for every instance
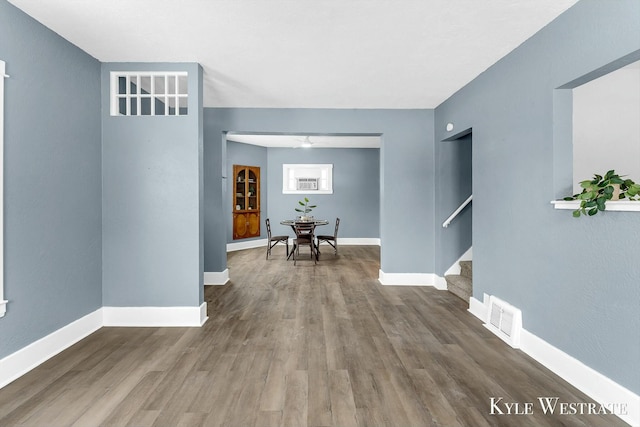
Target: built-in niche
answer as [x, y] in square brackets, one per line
[606, 125]
[596, 127]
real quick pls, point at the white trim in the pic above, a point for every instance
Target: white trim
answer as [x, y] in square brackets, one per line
[595, 385]
[247, 244]
[356, 241]
[478, 308]
[409, 279]
[155, 316]
[455, 267]
[22, 361]
[342, 241]
[620, 206]
[3, 302]
[216, 278]
[440, 282]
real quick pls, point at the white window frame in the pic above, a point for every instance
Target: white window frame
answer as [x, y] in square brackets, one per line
[3, 302]
[166, 96]
[302, 178]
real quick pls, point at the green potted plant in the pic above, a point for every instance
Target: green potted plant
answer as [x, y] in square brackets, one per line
[306, 208]
[598, 191]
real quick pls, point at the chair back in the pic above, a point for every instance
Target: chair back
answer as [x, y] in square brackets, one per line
[335, 233]
[268, 228]
[304, 230]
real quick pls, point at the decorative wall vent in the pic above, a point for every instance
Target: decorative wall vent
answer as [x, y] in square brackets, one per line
[505, 321]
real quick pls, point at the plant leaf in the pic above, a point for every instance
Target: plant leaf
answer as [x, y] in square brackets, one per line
[592, 212]
[576, 214]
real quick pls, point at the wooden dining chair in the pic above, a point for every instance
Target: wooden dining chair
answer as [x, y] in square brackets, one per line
[332, 240]
[304, 237]
[274, 240]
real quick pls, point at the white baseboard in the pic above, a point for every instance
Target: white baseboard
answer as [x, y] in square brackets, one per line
[478, 308]
[22, 361]
[262, 243]
[247, 244]
[155, 316]
[409, 279]
[595, 385]
[360, 241]
[439, 282]
[216, 278]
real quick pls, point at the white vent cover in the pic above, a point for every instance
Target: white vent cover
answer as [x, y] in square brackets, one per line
[505, 321]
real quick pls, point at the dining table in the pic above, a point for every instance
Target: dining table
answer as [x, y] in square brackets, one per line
[316, 222]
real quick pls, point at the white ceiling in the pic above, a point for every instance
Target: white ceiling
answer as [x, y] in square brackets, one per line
[307, 53]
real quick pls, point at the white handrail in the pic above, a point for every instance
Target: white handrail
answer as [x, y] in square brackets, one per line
[457, 211]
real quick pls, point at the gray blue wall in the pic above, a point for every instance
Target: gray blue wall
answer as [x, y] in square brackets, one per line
[356, 190]
[576, 280]
[356, 181]
[152, 210]
[406, 174]
[52, 234]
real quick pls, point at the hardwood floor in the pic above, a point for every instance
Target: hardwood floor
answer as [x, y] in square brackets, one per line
[310, 345]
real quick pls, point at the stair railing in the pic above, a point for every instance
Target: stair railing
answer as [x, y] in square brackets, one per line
[455, 213]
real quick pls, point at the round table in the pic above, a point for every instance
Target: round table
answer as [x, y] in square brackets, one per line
[316, 222]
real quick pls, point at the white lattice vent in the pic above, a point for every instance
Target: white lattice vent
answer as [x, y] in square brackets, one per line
[505, 321]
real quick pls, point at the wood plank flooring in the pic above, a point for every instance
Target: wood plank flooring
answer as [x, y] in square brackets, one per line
[310, 345]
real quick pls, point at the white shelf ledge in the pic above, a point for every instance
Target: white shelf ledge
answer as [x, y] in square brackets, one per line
[623, 205]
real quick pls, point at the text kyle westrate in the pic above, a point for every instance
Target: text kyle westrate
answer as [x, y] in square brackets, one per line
[552, 405]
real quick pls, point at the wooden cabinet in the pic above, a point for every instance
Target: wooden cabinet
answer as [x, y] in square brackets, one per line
[246, 201]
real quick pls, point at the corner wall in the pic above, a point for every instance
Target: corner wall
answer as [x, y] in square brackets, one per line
[575, 280]
[152, 211]
[52, 170]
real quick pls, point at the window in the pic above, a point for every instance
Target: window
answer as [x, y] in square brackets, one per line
[3, 303]
[149, 93]
[311, 178]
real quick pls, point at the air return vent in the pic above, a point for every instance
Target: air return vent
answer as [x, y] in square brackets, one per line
[505, 321]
